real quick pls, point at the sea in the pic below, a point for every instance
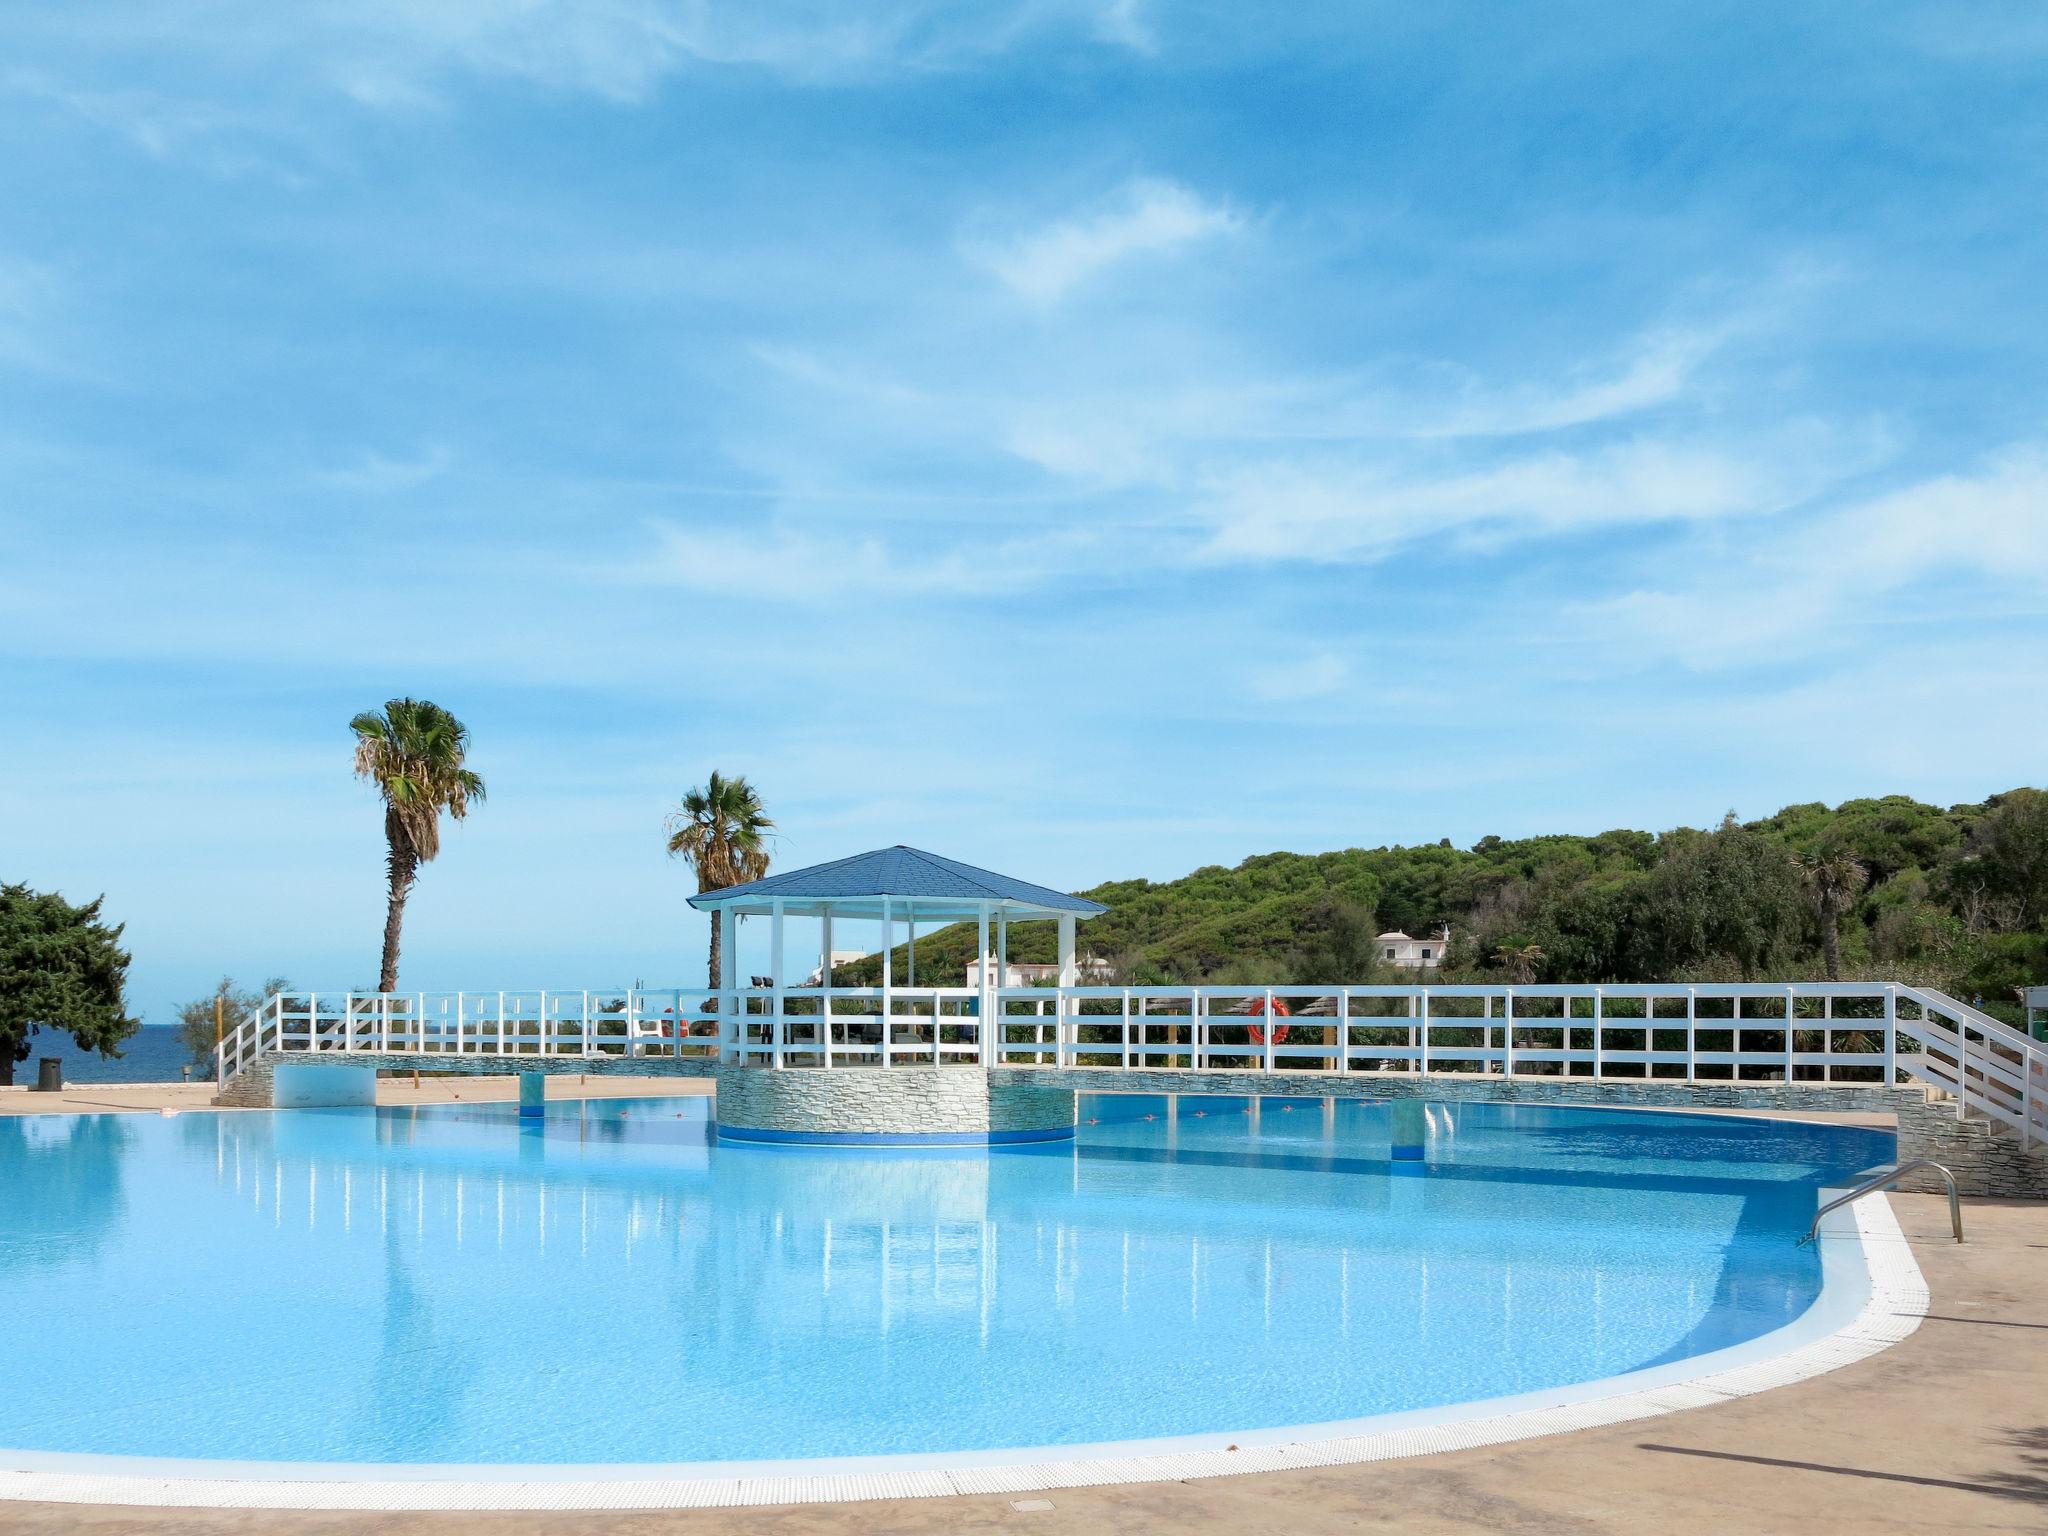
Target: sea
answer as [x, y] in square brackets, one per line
[153, 1054]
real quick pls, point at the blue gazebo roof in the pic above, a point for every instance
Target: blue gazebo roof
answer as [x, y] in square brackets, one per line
[909, 878]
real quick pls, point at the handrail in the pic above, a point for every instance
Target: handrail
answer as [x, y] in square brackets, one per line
[1885, 1180]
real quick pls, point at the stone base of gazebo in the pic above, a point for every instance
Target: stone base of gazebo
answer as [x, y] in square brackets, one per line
[892, 1106]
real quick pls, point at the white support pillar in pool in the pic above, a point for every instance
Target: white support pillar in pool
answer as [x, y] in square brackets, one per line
[1408, 1123]
[778, 1033]
[730, 1025]
[533, 1093]
[825, 981]
[888, 976]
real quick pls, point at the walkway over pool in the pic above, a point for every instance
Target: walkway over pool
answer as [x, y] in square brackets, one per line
[1007, 1053]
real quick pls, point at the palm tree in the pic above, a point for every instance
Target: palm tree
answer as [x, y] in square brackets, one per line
[1519, 961]
[723, 832]
[1833, 879]
[413, 752]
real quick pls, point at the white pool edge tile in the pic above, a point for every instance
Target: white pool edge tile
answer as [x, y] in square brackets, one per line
[1895, 1303]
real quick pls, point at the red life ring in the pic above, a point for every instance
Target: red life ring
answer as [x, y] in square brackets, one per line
[1258, 1031]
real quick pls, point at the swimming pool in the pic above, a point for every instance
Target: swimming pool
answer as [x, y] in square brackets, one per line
[446, 1286]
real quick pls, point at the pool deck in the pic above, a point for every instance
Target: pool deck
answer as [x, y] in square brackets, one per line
[139, 1098]
[1946, 1431]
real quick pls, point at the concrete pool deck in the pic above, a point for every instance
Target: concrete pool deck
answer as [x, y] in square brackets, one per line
[151, 1098]
[1945, 1431]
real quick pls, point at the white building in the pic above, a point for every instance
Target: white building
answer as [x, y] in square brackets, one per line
[840, 957]
[1089, 972]
[1414, 954]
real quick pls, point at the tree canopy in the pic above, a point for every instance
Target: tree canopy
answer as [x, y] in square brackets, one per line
[1955, 897]
[61, 968]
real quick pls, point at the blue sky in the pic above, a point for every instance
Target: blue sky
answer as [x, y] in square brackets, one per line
[1087, 437]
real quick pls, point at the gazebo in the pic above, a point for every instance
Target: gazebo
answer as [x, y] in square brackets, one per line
[966, 1104]
[885, 886]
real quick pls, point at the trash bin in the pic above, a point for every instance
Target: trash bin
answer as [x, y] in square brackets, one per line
[50, 1075]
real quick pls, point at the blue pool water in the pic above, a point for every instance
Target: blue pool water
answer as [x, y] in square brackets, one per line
[447, 1285]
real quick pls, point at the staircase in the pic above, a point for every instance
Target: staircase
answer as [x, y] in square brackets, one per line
[1987, 1107]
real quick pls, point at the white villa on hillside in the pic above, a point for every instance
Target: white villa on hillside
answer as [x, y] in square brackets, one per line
[1414, 954]
[1089, 972]
[839, 957]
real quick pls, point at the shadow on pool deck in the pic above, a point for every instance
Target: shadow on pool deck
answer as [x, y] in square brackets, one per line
[1943, 1432]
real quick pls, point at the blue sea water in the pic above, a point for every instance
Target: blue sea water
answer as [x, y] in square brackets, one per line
[155, 1053]
[444, 1284]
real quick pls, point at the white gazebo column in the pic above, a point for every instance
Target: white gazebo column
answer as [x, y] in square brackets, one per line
[1003, 980]
[910, 945]
[777, 1034]
[888, 980]
[1067, 976]
[825, 982]
[729, 1023]
[984, 1015]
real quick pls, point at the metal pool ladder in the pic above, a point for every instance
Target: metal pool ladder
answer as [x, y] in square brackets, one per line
[1885, 1180]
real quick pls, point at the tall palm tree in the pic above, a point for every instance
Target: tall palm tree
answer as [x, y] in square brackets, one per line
[723, 832]
[413, 752]
[1833, 879]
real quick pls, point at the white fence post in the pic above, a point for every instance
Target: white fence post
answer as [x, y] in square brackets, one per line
[1599, 1026]
[1343, 1029]
[1507, 1009]
[1422, 1060]
[1891, 1035]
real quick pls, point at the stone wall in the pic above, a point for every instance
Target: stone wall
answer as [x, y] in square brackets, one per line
[891, 1101]
[1986, 1158]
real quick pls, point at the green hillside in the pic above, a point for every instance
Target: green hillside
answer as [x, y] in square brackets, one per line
[1957, 898]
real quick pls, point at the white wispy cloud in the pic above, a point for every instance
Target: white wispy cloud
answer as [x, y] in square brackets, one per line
[382, 474]
[1313, 676]
[31, 294]
[396, 54]
[1337, 509]
[1963, 541]
[1145, 217]
[1655, 370]
[781, 562]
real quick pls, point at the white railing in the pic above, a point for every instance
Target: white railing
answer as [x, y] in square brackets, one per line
[626, 1022]
[1839, 1032]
